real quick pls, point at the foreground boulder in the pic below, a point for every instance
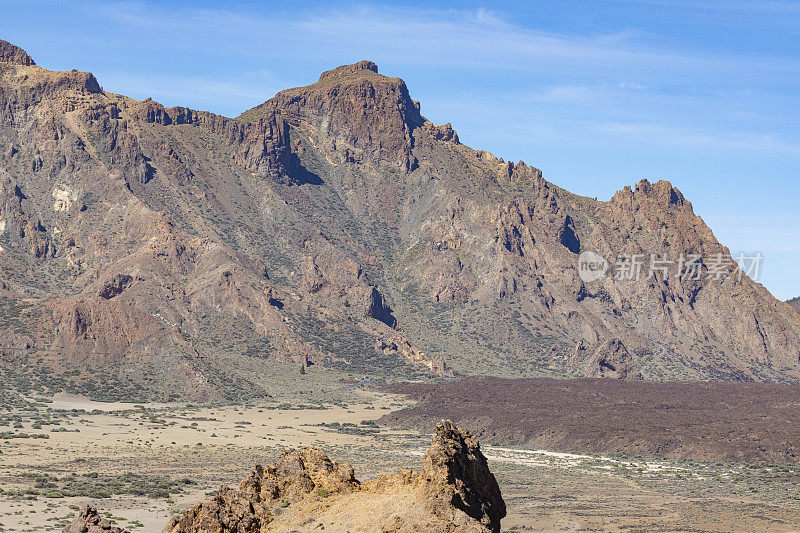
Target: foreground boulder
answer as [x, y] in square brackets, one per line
[453, 492]
[89, 521]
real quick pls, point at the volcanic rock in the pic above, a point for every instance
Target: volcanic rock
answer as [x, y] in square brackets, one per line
[89, 521]
[346, 70]
[454, 491]
[367, 219]
[359, 111]
[611, 359]
[10, 53]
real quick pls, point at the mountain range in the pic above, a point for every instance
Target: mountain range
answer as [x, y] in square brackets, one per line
[152, 252]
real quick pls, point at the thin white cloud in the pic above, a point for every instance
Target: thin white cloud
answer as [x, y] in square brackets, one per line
[620, 76]
[736, 6]
[659, 134]
[455, 38]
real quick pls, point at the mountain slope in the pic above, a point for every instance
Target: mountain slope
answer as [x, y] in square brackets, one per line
[156, 252]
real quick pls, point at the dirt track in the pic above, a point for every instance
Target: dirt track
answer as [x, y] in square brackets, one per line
[749, 422]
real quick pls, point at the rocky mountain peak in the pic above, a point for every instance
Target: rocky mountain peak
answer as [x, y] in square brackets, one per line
[661, 190]
[362, 67]
[356, 113]
[661, 194]
[15, 55]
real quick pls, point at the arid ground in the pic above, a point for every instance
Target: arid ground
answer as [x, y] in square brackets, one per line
[143, 463]
[708, 421]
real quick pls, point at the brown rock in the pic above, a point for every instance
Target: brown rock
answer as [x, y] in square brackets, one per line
[346, 70]
[115, 286]
[227, 512]
[442, 133]
[15, 55]
[454, 492]
[458, 478]
[296, 475]
[611, 359]
[359, 110]
[89, 521]
[401, 347]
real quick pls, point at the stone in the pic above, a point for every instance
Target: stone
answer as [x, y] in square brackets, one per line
[89, 520]
[453, 492]
[15, 55]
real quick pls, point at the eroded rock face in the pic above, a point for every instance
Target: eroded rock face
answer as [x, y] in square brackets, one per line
[369, 221]
[458, 477]
[305, 490]
[610, 359]
[89, 521]
[115, 286]
[297, 474]
[364, 115]
[346, 70]
[18, 218]
[400, 347]
[227, 511]
[10, 53]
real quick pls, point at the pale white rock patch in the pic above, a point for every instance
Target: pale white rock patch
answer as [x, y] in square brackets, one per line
[64, 198]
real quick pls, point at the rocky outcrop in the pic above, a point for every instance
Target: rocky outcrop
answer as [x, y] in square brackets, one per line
[103, 324]
[262, 145]
[361, 113]
[330, 274]
[347, 70]
[15, 55]
[227, 511]
[453, 492]
[610, 359]
[115, 286]
[458, 479]
[20, 222]
[442, 133]
[89, 520]
[296, 475]
[400, 347]
[375, 306]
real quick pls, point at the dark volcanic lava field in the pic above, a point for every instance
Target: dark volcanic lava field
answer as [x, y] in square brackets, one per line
[702, 421]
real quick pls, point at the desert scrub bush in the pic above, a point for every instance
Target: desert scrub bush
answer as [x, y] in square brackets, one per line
[5, 435]
[94, 485]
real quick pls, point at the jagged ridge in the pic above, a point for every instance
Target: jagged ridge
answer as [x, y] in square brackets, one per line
[334, 225]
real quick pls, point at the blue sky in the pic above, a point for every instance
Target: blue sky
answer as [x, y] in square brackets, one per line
[596, 94]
